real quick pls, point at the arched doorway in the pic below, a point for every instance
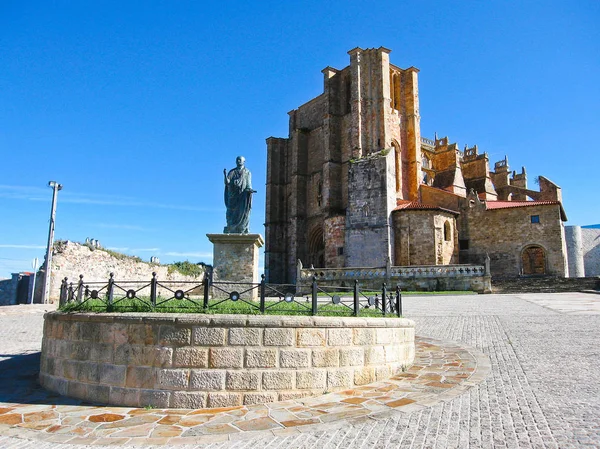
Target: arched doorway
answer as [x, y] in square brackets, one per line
[533, 260]
[316, 248]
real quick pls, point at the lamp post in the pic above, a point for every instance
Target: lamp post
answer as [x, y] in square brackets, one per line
[34, 265]
[48, 263]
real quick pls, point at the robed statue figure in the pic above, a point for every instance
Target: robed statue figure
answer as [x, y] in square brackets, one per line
[238, 197]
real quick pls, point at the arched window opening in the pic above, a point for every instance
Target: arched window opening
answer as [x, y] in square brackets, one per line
[316, 248]
[447, 231]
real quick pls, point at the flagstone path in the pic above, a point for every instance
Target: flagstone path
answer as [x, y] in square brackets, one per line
[539, 353]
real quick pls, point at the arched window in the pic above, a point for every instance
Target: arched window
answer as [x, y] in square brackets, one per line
[447, 231]
[316, 248]
[425, 162]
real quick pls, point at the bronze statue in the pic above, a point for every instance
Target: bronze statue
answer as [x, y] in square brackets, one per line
[238, 198]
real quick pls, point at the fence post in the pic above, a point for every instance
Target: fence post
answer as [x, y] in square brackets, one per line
[71, 292]
[398, 301]
[262, 293]
[153, 285]
[110, 292]
[80, 288]
[206, 283]
[314, 295]
[383, 298]
[356, 303]
[63, 292]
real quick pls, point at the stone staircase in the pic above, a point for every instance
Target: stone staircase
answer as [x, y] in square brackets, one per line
[544, 284]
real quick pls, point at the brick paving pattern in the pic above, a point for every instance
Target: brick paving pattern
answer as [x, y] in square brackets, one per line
[542, 390]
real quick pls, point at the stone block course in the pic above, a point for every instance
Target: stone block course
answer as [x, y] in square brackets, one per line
[226, 358]
[229, 360]
[245, 336]
[261, 358]
[209, 336]
[208, 380]
[278, 337]
[242, 380]
[173, 379]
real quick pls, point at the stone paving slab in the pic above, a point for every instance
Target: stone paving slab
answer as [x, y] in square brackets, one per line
[542, 390]
[442, 370]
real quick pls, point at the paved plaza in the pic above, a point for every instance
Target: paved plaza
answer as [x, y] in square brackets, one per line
[523, 371]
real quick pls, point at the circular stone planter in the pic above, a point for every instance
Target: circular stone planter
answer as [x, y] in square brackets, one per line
[197, 361]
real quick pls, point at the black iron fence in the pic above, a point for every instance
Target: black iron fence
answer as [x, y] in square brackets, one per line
[208, 295]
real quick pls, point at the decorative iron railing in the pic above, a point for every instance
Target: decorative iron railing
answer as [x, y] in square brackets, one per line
[209, 295]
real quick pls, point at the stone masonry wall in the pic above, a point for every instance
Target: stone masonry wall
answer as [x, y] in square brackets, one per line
[71, 259]
[195, 361]
[590, 241]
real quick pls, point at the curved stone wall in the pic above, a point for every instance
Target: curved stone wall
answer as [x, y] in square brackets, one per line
[196, 361]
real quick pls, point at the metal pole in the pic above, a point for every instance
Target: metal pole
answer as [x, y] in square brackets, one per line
[48, 263]
[34, 264]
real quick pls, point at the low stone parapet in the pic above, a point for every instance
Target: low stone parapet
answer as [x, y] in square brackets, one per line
[196, 361]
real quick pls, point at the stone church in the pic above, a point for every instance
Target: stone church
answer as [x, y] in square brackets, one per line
[356, 185]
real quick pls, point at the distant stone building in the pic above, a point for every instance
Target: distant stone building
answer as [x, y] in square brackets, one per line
[355, 185]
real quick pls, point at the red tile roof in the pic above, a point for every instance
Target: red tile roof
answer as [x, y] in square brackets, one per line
[415, 205]
[508, 204]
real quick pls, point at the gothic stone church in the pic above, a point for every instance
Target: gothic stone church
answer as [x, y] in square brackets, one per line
[355, 185]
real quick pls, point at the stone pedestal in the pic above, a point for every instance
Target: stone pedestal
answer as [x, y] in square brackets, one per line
[235, 259]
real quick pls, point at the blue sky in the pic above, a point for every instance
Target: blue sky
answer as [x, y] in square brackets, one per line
[136, 107]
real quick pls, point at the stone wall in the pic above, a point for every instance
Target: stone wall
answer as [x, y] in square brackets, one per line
[590, 241]
[8, 292]
[71, 259]
[195, 361]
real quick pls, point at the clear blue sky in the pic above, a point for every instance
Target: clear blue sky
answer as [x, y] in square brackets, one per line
[136, 107]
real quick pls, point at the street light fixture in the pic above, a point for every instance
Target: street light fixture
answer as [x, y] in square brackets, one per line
[48, 263]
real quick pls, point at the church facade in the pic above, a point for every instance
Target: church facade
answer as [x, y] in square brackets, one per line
[356, 185]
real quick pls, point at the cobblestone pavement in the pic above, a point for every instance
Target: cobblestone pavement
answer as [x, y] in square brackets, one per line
[543, 389]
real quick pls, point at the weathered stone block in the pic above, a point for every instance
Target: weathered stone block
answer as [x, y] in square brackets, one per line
[120, 333]
[207, 380]
[278, 380]
[325, 357]
[384, 336]
[209, 336]
[245, 336]
[161, 357]
[311, 337]
[173, 379]
[374, 355]
[141, 334]
[128, 397]
[279, 337]
[80, 350]
[188, 399]
[190, 357]
[242, 380]
[77, 390]
[155, 398]
[382, 372]
[226, 358]
[294, 358]
[224, 399]
[352, 356]
[392, 353]
[102, 352]
[112, 375]
[339, 337]
[261, 358]
[140, 377]
[364, 336]
[365, 375]
[311, 379]
[174, 336]
[339, 378]
[290, 395]
[259, 397]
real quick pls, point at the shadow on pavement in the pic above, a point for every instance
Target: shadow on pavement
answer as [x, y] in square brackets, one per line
[19, 381]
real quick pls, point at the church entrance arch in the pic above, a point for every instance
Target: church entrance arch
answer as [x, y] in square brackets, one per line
[316, 248]
[533, 259]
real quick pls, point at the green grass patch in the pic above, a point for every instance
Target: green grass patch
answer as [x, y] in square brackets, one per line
[216, 306]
